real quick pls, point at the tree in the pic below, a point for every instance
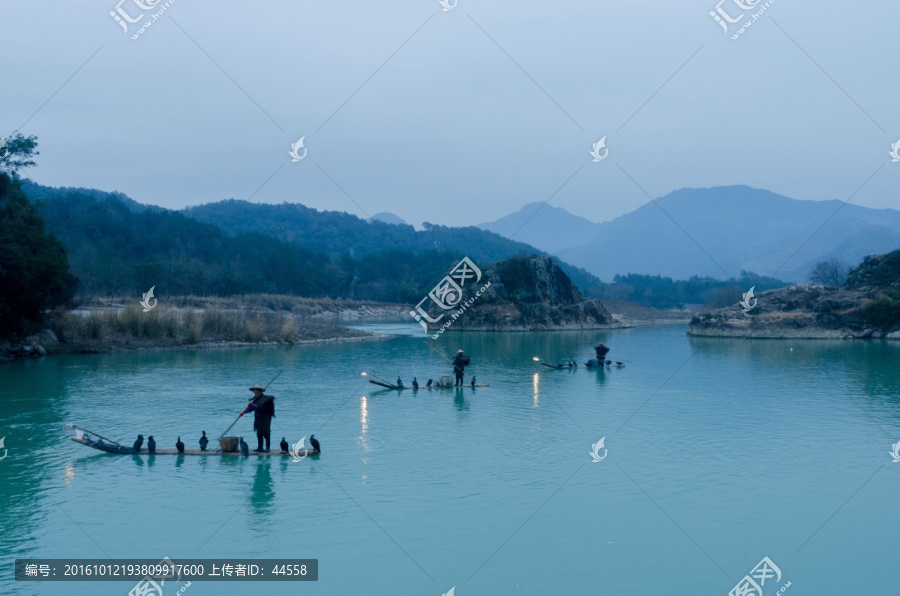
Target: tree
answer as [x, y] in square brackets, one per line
[34, 267]
[832, 272]
[16, 153]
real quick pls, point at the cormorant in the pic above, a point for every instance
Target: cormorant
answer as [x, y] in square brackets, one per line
[138, 443]
[415, 383]
[619, 363]
[608, 362]
[151, 445]
[429, 383]
[284, 445]
[399, 382]
[179, 445]
[203, 442]
[245, 449]
[315, 443]
[570, 364]
[473, 380]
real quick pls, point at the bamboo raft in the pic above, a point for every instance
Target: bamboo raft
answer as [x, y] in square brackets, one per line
[110, 446]
[398, 388]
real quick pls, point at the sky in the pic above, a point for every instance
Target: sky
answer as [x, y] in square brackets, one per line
[456, 116]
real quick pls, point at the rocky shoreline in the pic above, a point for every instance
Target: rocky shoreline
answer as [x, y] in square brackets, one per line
[807, 311]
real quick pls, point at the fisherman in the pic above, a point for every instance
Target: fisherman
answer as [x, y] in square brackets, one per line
[601, 352]
[263, 408]
[459, 366]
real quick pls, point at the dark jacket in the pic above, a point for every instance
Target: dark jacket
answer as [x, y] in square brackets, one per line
[263, 407]
[460, 362]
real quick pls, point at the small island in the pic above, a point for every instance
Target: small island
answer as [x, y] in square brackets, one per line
[867, 306]
[524, 293]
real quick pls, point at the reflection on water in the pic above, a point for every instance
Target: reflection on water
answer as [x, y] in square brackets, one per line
[69, 474]
[262, 496]
[459, 400]
[535, 383]
[364, 425]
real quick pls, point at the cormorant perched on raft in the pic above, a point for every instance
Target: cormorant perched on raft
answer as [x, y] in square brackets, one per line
[315, 443]
[415, 383]
[151, 445]
[179, 445]
[284, 445]
[473, 380]
[203, 442]
[399, 382]
[429, 382]
[619, 363]
[138, 443]
[570, 364]
[245, 449]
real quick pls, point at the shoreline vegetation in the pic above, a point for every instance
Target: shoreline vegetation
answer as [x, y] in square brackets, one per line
[865, 306]
[192, 322]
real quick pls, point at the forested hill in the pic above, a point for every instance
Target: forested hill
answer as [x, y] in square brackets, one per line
[119, 246]
[337, 233]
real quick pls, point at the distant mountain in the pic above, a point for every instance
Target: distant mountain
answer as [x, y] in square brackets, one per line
[389, 218]
[545, 227]
[337, 233]
[741, 228]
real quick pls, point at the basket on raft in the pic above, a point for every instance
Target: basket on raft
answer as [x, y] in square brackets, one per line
[228, 444]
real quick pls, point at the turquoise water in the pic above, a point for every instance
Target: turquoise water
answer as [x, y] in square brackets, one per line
[720, 452]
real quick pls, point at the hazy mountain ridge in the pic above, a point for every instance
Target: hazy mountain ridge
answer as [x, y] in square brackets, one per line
[738, 226]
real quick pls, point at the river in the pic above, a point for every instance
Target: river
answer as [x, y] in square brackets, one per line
[717, 453]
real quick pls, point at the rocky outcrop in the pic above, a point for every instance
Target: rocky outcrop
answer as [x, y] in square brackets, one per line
[33, 346]
[523, 294]
[867, 306]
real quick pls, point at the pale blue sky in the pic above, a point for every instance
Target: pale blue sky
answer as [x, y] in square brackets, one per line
[450, 130]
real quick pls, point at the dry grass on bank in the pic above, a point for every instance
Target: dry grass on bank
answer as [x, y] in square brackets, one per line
[305, 307]
[167, 326]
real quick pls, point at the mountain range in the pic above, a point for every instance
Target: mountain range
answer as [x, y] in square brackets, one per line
[713, 232]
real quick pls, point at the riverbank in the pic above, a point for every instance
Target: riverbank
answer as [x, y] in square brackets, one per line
[806, 311]
[97, 329]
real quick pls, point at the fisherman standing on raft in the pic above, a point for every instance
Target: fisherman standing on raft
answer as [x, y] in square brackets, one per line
[459, 366]
[263, 408]
[601, 352]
